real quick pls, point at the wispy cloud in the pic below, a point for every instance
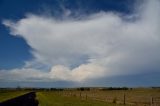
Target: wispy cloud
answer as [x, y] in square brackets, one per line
[102, 44]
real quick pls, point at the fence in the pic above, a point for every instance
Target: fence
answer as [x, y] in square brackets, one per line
[124, 98]
[155, 101]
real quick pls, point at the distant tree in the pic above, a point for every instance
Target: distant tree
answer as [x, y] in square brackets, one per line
[83, 89]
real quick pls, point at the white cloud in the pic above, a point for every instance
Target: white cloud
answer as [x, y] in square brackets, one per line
[110, 44]
[22, 74]
[57, 72]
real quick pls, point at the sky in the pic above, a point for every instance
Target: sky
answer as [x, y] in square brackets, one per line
[73, 43]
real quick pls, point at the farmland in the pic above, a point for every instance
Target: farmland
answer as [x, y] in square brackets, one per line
[56, 99]
[138, 97]
[133, 97]
[90, 97]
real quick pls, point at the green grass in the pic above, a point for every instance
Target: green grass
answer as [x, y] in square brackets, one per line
[51, 98]
[9, 94]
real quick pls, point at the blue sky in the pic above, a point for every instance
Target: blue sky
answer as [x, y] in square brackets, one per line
[67, 43]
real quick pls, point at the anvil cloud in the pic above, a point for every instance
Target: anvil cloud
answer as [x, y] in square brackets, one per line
[98, 45]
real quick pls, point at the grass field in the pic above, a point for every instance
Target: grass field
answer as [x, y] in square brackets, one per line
[56, 99]
[138, 97]
[9, 94]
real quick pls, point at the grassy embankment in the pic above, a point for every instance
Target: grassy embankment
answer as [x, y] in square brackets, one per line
[9, 94]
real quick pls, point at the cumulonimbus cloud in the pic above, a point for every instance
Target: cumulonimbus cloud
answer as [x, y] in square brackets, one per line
[100, 45]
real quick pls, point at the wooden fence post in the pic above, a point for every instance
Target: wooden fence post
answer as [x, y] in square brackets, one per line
[151, 101]
[86, 96]
[124, 102]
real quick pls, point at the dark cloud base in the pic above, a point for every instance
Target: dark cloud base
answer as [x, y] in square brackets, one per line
[138, 80]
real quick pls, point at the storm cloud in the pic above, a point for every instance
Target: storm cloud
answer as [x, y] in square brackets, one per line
[98, 45]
